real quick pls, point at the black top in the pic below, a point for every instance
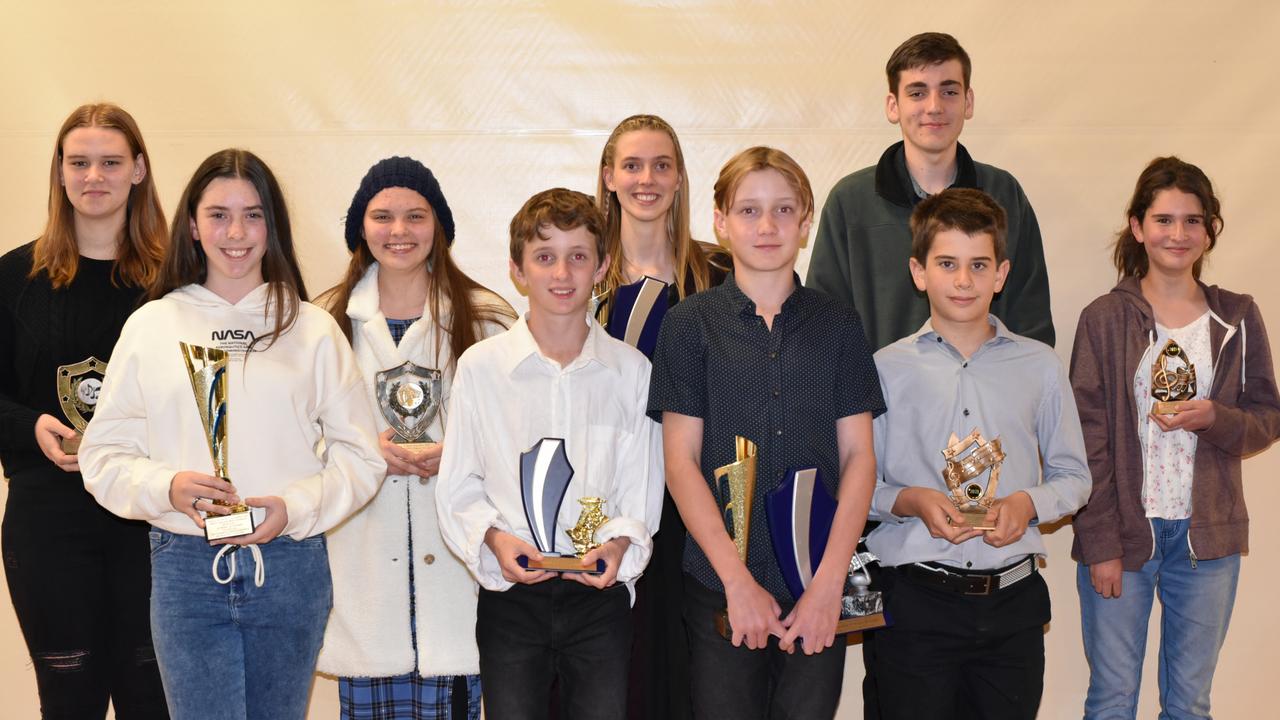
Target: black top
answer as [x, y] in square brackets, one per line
[782, 388]
[42, 328]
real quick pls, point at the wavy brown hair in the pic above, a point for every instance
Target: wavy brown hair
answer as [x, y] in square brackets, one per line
[144, 236]
[448, 285]
[1163, 173]
[185, 263]
[691, 260]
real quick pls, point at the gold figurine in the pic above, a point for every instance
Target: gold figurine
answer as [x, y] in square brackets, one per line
[1173, 379]
[741, 476]
[969, 497]
[583, 534]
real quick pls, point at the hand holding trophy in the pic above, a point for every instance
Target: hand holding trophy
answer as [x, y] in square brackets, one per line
[545, 473]
[207, 370]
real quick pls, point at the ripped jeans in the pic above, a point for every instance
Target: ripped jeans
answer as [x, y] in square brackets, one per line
[79, 580]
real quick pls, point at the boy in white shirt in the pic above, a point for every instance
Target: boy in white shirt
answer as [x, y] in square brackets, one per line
[556, 374]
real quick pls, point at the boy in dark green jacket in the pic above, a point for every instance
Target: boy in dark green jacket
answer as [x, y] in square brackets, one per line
[863, 243]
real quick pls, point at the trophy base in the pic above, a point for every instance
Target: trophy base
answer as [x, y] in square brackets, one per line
[71, 445]
[1165, 407]
[414, 446]
[219, 527]
[976, 518]
[560, 563]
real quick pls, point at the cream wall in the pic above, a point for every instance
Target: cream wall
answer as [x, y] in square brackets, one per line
[502, 99]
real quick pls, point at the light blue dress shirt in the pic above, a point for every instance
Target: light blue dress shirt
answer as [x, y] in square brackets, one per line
[1013, 388]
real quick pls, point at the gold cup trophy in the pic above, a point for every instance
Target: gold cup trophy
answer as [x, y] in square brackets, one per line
[967, 459]
[207, 369]
[1173, 379]
[78, 387]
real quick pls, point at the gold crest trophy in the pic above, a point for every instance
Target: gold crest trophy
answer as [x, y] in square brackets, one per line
[1173, 379]
[961, 473]
[409, 397]
[78, 388]
[207, 369]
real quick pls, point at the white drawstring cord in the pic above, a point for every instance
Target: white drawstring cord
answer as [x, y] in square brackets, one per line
[259, 568]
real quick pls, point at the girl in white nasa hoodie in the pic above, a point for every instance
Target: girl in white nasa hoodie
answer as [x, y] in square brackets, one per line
[231, 641]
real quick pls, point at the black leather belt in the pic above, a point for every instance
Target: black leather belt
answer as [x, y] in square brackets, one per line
[980, 583]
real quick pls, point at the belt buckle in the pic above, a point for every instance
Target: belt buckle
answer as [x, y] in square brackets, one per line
[986, 590]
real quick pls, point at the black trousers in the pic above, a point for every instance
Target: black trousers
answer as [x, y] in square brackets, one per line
[743, 684]
[555, 631]
[80, 582]
[961, 656]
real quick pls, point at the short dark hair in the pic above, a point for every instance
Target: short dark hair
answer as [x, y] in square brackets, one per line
[923, 50]
[566, 209]
[1166, 173]
[970, 211]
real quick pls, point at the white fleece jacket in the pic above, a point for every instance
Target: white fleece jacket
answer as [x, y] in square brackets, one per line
[368, 632]
[299, 424]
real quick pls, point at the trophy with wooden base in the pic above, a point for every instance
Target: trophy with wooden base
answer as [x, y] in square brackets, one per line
[545, 473]
[207, 369]
[800, 514]
[967, 460]
[409, 398]
[1173, 379]
[78, 388]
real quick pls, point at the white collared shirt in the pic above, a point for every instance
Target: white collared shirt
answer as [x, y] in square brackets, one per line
[506, 397]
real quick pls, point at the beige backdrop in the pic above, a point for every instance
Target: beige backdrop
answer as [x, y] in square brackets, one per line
[502, 99]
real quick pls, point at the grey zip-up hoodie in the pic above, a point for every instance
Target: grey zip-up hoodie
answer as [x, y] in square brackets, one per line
[1112, 338]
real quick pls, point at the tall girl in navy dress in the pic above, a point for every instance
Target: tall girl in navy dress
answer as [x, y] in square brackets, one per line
[236, 632]
[78, 576]
[1166, 516]
[643, 192]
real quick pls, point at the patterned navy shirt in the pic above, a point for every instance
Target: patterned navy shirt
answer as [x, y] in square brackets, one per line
[782, 388]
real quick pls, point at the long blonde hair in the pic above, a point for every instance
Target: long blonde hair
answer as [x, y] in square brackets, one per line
[143, 241]
[691, 260]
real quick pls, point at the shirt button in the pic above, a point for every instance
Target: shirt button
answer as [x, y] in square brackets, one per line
[776, 393]
[779, 432]
[965, 365]
[966, 412]
[969, 564]
[428, 558]
[773, 356]
[422, 480]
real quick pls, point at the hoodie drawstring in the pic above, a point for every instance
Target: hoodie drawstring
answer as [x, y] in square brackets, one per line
[259, 569]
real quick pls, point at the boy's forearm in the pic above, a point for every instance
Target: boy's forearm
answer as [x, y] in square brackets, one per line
[702, 517]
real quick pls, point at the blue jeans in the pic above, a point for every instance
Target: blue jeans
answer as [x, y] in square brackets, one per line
[237, 651]
[1196, 604]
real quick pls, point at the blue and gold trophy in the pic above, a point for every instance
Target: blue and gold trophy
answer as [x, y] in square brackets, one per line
[635, 313]
[207, 369]
[545, 473]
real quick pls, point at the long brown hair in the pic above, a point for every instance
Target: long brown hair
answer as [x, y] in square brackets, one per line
[144, 236]
[448, 284]
[1163, 173]
[691, 260]
[185, 263]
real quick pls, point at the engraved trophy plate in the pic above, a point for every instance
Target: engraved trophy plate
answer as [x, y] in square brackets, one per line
[207, 370]
[962, 471]
[1173, 379]
[740, 478]
[545, 473]
[409, 397]
[636, 312]
[78, 388]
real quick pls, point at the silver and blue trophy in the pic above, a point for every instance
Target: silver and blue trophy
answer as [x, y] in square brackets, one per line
[800, 514]
[545, 474]
[636, 312]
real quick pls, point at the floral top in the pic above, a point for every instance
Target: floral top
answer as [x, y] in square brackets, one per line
[1170, 456]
